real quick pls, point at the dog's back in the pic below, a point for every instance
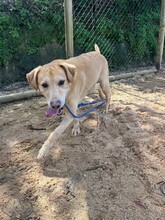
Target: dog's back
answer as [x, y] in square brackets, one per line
[90, 62]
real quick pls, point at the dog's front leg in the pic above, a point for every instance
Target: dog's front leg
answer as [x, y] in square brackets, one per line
[76, 127]
[44, 151]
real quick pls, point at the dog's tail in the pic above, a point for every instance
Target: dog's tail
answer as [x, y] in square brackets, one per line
[97, 48]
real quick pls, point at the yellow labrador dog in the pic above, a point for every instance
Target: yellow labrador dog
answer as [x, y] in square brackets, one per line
[69, 81]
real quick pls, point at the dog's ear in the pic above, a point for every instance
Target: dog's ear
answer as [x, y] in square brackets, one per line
[69, 70]
[32, 77]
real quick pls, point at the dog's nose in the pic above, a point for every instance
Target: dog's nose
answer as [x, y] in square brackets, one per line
[56, 104]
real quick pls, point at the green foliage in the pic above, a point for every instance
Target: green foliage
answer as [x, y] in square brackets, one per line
[127, 28]
[27, 25]
[128, 25]
[144, 40]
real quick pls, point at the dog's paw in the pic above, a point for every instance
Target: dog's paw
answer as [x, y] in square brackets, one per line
[76, 130]
[104, 112]
[43, 152]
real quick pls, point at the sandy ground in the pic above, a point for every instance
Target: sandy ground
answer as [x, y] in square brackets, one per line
[115, 169]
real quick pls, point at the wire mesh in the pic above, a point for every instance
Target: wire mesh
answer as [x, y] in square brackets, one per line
[125, 30]
[32, 33]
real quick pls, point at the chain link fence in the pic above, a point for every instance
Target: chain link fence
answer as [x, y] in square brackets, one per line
[33, 33]
[125, 30]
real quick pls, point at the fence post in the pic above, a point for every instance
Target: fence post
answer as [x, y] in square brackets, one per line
[161, 36]
[68, 17]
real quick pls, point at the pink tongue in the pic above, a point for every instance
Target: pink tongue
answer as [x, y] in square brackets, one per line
[51, 111]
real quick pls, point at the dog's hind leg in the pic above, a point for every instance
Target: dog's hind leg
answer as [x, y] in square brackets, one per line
[104, 84]
[101, 94]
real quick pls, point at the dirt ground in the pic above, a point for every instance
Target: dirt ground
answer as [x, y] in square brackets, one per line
[114, 170]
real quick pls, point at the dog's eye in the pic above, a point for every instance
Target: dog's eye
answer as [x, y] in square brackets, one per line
[45, 85]
[61, 82]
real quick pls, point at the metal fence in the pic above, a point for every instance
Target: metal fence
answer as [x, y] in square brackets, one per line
[33, 33]
[125, 30]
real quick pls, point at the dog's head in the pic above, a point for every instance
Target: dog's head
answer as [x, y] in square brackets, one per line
[54, 81]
